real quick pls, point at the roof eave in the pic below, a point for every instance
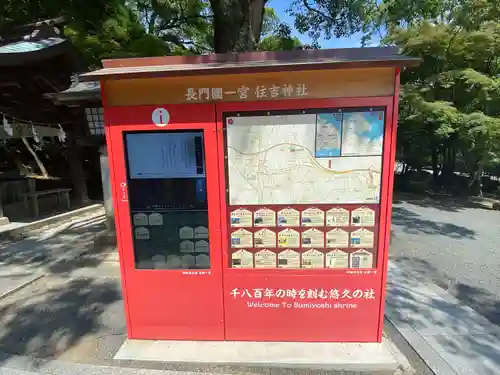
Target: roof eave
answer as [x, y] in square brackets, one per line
[72, 97]
[21, 58]
[147, 73]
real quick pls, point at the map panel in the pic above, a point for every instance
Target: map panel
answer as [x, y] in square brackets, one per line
[362, 133]
[272, 160]
[328, 134]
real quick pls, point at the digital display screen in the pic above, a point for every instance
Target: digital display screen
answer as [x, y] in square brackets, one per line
[162, 155]
[166, 170]
[167, 192]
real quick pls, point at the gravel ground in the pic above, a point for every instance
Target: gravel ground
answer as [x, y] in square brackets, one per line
[56, 317]
[454, 245]
[75, 312]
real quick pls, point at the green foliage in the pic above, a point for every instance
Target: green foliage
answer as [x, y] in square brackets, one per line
[270, 23]
[330, 18]
[277, 43]
[89, 14]
[451, 102]
[179, 23]
[276, 35]
[132, 28]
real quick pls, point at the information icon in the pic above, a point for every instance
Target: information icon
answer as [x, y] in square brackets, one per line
[160, 117]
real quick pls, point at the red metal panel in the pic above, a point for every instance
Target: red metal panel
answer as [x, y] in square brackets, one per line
[287, 319]
[388, 174]
[339, 305]
[293, 305]
[119, 240]
[168, 304]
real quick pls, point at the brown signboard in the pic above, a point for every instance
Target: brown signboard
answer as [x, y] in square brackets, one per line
[251, 87]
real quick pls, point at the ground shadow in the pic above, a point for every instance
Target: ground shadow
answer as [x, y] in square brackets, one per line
[61, 312]
[59, 251]
[473, 342]
[48, 321]
[481, 300]
[22, 216]
[440, 202]
[414, 223]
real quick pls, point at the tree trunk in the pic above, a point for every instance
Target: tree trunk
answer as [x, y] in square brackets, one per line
[80, 194]
[435, 166]
[449, 161]
[38, 162]
[476, 180]
[255, 19]
[237, 24]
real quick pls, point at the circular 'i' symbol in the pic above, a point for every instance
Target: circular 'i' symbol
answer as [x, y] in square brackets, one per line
[160, 117]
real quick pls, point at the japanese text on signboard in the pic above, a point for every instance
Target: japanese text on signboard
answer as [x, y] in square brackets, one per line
[334, 294]
[246, 93]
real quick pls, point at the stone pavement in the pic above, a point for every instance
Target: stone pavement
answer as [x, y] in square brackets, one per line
[65, 249]
[455, 246]
[19, 230]
[60, 296]
[18, 365]
[13, 279]
[74, 313]
[449, 336]
[24, 365]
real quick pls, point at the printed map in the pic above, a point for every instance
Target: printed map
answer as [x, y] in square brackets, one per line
[272, 160]
[362, 133]
[328, 134]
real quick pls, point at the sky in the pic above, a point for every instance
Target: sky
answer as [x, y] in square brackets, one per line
[280, 7]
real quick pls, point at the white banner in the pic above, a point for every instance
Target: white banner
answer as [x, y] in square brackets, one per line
[26, 130]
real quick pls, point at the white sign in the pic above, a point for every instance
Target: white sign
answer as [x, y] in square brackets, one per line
[140, 219]
[186, 232]
[272, 161]
[160, 117]
[201, 232]
[186, 246]
[141, 233]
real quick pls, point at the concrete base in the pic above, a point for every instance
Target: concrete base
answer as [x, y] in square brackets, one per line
[4, 220]
[314, 356]
[16, 231]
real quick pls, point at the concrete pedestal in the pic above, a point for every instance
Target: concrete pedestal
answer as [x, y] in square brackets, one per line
[362, 357]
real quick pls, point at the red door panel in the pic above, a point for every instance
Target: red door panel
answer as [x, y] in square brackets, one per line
[165, 181]
[301, 304]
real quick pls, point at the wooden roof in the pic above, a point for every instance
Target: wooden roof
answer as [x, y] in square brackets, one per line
[32, 43]
[78, 92]
[35, 61]
[250, 62]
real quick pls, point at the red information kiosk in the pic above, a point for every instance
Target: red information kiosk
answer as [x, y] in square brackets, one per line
[253, 192]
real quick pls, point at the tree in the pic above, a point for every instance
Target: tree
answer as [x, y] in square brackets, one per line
[449, 108]
[450, 103]
[132, 28]
[331, 18]
[280, 41]
[184, 25]
[237, 24]
[275, 34]
[98, 28]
